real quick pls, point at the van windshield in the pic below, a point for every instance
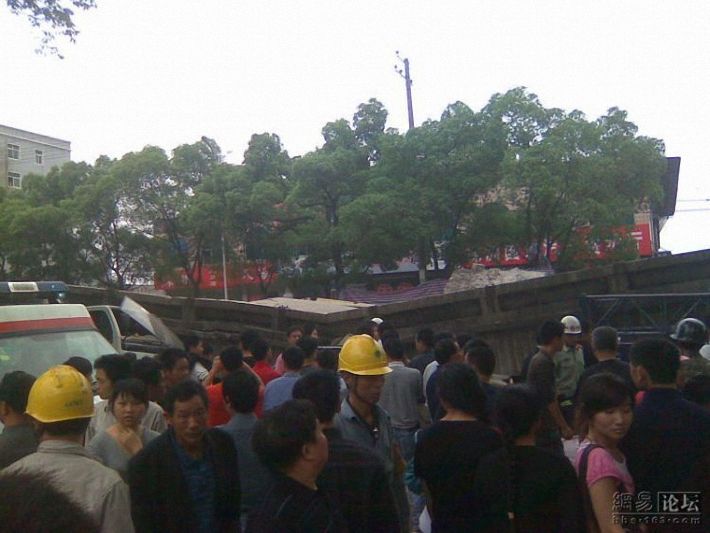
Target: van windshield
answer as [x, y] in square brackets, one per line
[35, 353]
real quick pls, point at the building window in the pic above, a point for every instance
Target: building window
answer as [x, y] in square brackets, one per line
[14, 180]
[13, 151]
[39, 157]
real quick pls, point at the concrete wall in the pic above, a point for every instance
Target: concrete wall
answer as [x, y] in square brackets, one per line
[507, 316]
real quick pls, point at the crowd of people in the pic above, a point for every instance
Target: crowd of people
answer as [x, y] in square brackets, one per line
[365, 439]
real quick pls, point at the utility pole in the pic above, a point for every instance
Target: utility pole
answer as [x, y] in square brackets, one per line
[224, 269]
[408, 84]
[422, 255]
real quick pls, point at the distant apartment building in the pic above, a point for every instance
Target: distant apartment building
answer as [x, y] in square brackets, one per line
[23, 152]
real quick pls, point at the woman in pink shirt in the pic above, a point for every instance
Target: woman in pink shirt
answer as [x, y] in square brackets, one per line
[605, 415]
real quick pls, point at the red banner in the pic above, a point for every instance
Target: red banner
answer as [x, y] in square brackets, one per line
[511, 256]
[211, 276]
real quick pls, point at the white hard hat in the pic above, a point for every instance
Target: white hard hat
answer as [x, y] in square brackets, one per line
[377, 320]
[572, 325]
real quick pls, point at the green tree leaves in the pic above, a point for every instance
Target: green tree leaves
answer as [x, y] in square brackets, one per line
[514, 173]
[52, 17]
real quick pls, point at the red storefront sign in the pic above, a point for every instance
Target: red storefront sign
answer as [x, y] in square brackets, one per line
[211, 277]
[511, 256]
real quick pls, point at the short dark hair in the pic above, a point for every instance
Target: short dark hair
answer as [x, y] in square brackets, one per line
[443, 335]
[293, 329]
[129, 387]
[232, 358]
[15, 389]
[293, 358]
[444, 350]
[426, 337]
[241, 390]
[31, 503]
[367, 327]
[386, 329]
[191, 341]
[605, 338]
[463, 338]
[598, 393]
[65, 428]
[147, 369]
[309, 345]
[116, 367]
[327, 359]
[458, 385]
[549, 331]
[182, 392]
[247, 338]
[659, 357]
[517, 408]
[697, 389]
[322, 388]
[309, 328]
[169, 357]
[259, 348]
[474, 343]
[483, 359]
[282, 432]
[394, 348]
[82, 364]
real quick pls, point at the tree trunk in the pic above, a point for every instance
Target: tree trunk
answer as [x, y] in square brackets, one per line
[422, 259]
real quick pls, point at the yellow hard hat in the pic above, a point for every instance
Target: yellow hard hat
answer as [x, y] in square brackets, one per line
[361, 355]
[61, 393]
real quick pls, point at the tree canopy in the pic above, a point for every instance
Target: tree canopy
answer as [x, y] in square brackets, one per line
[456, 188]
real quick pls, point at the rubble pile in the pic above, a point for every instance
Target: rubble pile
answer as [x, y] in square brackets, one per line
[479, 276]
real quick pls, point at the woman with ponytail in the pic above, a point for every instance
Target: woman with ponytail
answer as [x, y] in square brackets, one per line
[521, 488]
[447, 452]
[605, 415]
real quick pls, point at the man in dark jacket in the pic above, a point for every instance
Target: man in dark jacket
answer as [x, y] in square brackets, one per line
[188, 478]
[667, 447]
[353, 475]
[290, 442]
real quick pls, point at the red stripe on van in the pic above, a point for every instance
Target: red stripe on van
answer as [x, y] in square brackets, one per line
[47, 323]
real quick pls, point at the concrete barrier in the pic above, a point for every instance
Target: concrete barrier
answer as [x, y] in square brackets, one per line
[507, 316]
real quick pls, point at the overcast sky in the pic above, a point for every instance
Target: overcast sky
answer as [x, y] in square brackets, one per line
[166, 72]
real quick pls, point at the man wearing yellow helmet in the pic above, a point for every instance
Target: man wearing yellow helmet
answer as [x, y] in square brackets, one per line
[61, 404]
[363, 364]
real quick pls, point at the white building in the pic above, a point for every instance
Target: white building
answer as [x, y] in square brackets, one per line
[23, 152]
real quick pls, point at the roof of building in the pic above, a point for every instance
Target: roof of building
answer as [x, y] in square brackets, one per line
[34, 137]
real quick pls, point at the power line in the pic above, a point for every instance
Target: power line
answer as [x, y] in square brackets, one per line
[694, 200]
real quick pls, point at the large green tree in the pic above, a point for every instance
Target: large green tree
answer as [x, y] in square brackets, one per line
[326, 180]
[563, 172]
[427, 188]
[121, 255]
[160, 201]
[40, 239]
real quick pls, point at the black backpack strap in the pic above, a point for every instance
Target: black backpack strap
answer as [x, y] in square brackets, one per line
[584, 489]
